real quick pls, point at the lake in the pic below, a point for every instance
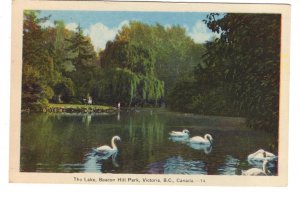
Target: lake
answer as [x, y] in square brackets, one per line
[66, 143]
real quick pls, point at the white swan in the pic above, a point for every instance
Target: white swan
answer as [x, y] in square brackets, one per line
[206, 140]
[183, 133]
[261, 155]
[107, 150]
[257, 171]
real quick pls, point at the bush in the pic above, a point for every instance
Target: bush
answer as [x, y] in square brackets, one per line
[39, 105]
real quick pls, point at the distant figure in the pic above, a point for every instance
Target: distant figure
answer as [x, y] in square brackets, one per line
[90, 101]
[119, 105]
[59, 99]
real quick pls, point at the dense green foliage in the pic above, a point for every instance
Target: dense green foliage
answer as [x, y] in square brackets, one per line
[175, 53]
[138, 67]
[236, 74]
[122, 85]
[240, 73]
[39, 72]
[57, 63]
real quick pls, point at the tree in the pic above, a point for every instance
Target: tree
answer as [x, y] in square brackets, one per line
[131, 77]
[84, 61]
[248, 56]
[175, 54]
[130, 56]
[239, 72]
[181, 95]
[62, 55]
[38, 73]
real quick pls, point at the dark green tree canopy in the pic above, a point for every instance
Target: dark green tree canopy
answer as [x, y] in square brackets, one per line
[236, 74]
[239, 72]
[130, 56]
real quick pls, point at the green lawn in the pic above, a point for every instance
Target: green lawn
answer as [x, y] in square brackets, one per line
[102, 107]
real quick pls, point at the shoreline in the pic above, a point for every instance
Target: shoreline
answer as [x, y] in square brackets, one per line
[73, 109]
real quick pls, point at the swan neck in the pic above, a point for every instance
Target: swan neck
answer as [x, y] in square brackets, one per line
[265, 168]
[207, 137]
[113, 143]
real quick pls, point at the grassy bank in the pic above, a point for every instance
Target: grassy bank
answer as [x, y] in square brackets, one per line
[77, 108]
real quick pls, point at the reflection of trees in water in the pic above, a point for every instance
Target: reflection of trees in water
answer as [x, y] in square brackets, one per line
[87, 119]
[37, 145]
[59, 143]
[49, 141]
[146, 133]
[150, 128]
[177, 165]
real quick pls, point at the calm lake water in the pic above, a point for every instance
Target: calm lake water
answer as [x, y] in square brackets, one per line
[67, 142]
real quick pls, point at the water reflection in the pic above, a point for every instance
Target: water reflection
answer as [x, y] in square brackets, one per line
[206, 148]
[271, 165]
[94, 161]
[177, 165]
[87, 119]
[69, 167]
[63, 143]
[230, 166]
[182, 139]
[118, 115]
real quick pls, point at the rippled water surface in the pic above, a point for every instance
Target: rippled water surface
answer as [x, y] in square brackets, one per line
[67, 142]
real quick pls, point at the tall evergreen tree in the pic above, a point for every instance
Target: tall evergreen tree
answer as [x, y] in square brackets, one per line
[84, 61]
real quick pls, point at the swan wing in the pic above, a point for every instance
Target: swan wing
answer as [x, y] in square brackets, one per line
[177, 133]
[198, 139]
[256, 155]
[174, 132]
[104, 148]
[261, 157]
[254, 172]
[251, 156]
[104, 152]
[270, 155]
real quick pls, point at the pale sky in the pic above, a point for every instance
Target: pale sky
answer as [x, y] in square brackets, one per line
[103, 26]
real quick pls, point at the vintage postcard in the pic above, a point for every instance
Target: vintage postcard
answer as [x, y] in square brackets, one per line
[149, 93]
